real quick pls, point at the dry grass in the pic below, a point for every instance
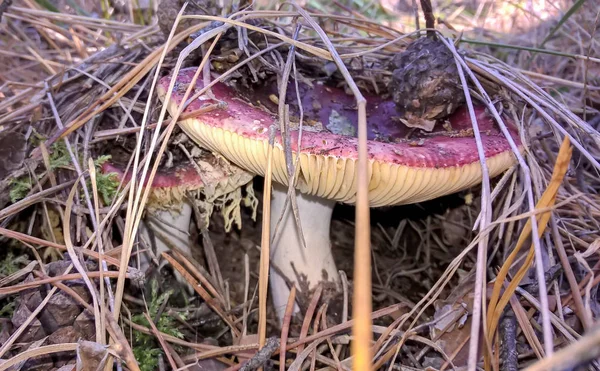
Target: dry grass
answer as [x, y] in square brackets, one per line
[66, 82]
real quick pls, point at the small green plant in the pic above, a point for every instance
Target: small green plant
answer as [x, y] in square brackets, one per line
[107, 183]
[10, 264]
[146, 358]
[8, 309]
[145, 347]
[19, 188]
[59, 156]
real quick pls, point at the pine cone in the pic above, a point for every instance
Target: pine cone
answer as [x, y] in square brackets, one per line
[425, 83]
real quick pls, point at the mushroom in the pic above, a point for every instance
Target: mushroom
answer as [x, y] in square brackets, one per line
[211, 181]
[405, 165]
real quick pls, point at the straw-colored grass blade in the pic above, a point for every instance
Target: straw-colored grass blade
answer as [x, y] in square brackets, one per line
[498, 303]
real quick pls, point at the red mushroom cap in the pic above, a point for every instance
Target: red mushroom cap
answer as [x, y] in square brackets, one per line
[405, 165]
[211, 175]
[176, 176]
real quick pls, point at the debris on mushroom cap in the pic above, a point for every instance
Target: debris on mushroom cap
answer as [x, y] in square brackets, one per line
[405, 166]
[168, 10]
[425, 83]
[215, 183]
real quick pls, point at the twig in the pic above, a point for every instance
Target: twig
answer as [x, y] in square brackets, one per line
[265, 243]
[38, 241]
[283, 114]
[429, 18]
[118, 90]
[161, 340]
[262, 356]
[361, 346]
[210, 301]
[133, 216]
[36, 352]
[415, 9]
[102, 267]
[64, 277]
[508, 333]
[32, 199]
[4, 6]
[580, 310]
[587, 348]
[486, 212]
[285, 327]
[75, 261]
[310, 312]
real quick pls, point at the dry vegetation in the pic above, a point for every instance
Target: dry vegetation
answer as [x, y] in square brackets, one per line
[76, 85]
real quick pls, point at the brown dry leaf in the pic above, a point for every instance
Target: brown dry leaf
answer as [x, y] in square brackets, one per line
[451, 329]
[12, 152]
[247, 340]
[90, 355]
[497, 303]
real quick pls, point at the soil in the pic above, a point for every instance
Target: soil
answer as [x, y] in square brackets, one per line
[393, 265]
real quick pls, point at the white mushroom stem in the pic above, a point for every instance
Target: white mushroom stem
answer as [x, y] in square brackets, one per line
[166, 228]
[312, 264]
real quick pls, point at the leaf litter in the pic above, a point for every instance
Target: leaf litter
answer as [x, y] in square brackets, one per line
[423, 279]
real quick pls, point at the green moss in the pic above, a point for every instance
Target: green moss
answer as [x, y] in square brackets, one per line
[147, 358]
[10, 264]
[145, 346]
[19, 188]
[59, 156]
[107, 183]
[8, 309]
